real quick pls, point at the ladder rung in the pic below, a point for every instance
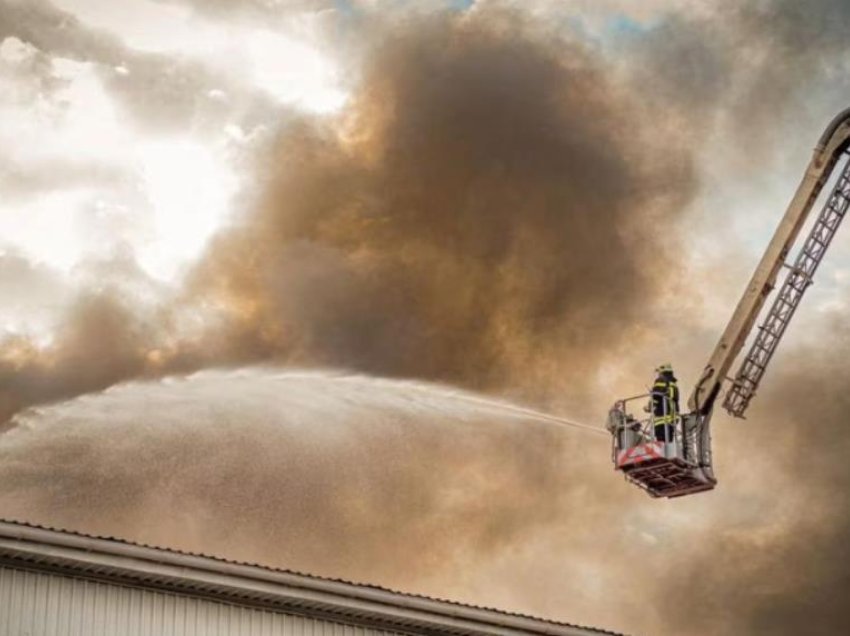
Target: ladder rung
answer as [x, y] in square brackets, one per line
[790, 294]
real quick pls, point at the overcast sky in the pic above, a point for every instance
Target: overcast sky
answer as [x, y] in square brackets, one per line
[130, 126]
[532, 199]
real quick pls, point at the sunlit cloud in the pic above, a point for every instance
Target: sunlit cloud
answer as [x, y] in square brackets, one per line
[44, 229]
[74, 124]
[293, 72]
[161, 197]
[289, 66]
[141, 24]
[189, 190]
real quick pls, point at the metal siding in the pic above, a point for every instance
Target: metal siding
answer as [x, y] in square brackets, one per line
[42, 604]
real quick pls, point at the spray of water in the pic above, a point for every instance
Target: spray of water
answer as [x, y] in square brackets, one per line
[429, 395]
[325, 388]
[507, 408]
[320, 471]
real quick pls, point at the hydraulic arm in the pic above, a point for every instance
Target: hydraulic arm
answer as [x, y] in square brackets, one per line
[832, 144]
[684, 466]
[798, 279]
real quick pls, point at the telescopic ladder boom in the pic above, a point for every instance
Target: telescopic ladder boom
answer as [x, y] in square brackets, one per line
[682, 464]
[831, 146]
[798, 279]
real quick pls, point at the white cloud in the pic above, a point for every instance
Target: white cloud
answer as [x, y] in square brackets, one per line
[141, 24]
[286, 63]
[163, 198]
[293, 72]
[43, 229]
[189, 188]
[14, 51]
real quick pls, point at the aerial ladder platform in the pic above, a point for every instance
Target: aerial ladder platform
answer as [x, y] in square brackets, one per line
[681, 463]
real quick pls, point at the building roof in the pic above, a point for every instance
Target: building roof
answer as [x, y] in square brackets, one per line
[108, 559]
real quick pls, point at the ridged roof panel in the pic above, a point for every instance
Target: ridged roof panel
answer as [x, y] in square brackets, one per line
[210, 562]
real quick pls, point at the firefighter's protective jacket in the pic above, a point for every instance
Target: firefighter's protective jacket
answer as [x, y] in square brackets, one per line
[665, 399]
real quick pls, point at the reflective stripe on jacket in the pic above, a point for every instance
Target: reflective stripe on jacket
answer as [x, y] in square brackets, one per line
[665, 401]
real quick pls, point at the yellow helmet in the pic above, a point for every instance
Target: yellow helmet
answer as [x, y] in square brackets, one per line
[665, 368]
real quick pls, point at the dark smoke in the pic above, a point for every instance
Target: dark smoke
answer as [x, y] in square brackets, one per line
[482, 214]
[487, 212]
[102, 341]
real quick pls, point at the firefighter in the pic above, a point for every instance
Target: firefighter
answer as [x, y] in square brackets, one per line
[665, 403]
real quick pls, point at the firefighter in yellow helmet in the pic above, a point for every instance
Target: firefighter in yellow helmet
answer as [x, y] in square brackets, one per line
[665, 403]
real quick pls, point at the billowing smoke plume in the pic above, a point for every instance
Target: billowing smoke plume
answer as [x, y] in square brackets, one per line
[497, 208]
[484, 212]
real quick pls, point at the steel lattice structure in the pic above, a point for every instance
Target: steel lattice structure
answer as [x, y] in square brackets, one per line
[798, 279]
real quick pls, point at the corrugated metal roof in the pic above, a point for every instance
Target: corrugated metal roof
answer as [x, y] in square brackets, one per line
[125, 562]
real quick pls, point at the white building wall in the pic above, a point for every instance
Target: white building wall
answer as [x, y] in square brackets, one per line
[40, 604]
